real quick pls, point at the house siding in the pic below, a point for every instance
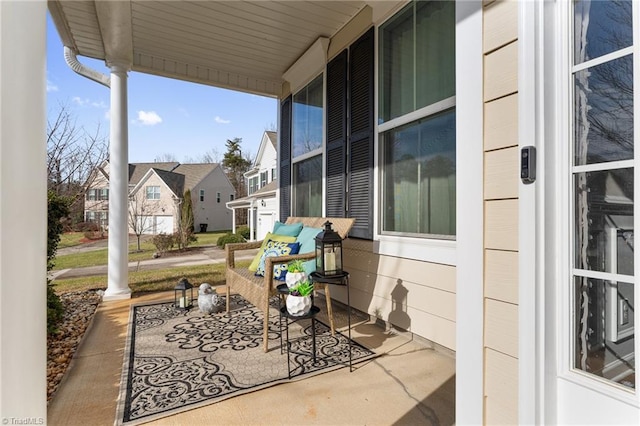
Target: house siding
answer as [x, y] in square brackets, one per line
[501, 179]
[216, 215]
[155, 207]
[100, 181]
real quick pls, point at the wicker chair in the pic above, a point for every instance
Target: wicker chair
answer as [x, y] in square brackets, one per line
[258, 290]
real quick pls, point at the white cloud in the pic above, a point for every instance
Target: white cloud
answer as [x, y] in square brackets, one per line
[78, 100]
[221, 120]
[51, 87]
[88, 102]
[150, 118]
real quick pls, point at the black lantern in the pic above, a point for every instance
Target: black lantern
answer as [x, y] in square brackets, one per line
[182, 299]
[328, 252]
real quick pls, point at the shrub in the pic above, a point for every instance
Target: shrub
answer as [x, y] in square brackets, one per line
[86, 226]
[57, 208]
[163, 242]
[244, 231]
[230, 238]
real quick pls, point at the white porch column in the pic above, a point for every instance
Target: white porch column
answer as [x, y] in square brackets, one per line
[252, 231]
[233, 221]
[118, 279]
[23, 213]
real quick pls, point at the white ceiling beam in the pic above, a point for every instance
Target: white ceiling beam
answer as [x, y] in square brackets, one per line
[114, 19]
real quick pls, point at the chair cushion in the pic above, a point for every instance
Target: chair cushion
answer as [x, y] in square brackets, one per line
[274, 249]
[292, 230]
[253, 267]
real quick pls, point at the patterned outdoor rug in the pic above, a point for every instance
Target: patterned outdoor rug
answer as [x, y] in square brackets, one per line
[176, 360]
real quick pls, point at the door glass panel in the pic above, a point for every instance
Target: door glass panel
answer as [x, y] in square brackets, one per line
[602, 293]
[604, 329]
[601, 27]
[604, 206]
[603, 99]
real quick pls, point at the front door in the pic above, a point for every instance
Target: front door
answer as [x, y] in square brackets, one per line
[594, 288]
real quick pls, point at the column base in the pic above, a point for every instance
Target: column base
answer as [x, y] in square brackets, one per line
[116, 296]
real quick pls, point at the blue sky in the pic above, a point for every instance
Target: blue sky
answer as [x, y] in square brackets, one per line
[165, 116]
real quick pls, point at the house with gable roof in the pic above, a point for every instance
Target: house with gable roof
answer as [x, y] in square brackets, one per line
[262, 189]
[156, 193]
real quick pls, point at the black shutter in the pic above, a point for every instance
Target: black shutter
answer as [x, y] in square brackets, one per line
[360, 145]
[284, 153]
[336, 134]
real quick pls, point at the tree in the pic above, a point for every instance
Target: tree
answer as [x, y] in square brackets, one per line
[140, 215]
[185, 231]
[167, 157]
[73, 153]
[235, 165]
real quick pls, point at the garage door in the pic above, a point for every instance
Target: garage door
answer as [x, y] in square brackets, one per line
[164, 225]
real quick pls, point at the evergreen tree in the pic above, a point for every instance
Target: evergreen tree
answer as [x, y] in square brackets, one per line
[185, 232]
[235, 165]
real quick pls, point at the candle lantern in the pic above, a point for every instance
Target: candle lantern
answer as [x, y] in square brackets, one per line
[328, 252]
[183, 295]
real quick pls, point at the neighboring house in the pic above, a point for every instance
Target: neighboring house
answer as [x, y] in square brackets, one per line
[262, 199]
[156, 193]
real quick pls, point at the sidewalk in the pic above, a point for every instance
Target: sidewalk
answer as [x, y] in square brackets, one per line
[209, 255]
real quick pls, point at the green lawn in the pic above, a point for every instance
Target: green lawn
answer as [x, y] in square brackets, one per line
[100, 257]
[155, 280]
[70, 239]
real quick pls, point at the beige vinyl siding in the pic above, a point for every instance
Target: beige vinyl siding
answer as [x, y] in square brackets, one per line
[501, 183]
[411, 295]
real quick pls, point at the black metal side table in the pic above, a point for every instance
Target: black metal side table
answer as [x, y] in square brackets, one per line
[290, 319]
[341, 279]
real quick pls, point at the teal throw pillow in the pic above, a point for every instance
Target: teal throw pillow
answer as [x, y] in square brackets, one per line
[274, 249]
[291, 230]
[307, 239]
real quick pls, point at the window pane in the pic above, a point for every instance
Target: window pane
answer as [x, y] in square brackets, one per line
[603, 98]
[307, 118]
[604, 221]
[307, 187]
[419, 180]
[601, 27]
[417, 58]
[435, 58]
[603, 325]
[396, 65]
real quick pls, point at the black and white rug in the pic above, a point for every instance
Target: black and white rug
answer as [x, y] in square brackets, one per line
[179, 360]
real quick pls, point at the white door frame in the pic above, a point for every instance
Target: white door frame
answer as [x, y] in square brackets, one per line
[550, 392]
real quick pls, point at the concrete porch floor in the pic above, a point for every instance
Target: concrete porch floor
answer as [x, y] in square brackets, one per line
[408, 384]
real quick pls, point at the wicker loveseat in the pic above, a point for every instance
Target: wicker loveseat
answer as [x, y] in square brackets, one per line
[256, 289]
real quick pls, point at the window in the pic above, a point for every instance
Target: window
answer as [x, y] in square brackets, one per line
[217, 197]
[202, 195]
[263, 178]
[153, 192]
[307, 139]
[307, 182]
[253, 185]
[307, 118]
[101, 218]
[418, 156]
[273, 174]
[232, 197]
[92, 195]
[103, 194]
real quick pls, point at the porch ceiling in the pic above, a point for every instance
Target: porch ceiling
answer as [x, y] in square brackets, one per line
[240, 45]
